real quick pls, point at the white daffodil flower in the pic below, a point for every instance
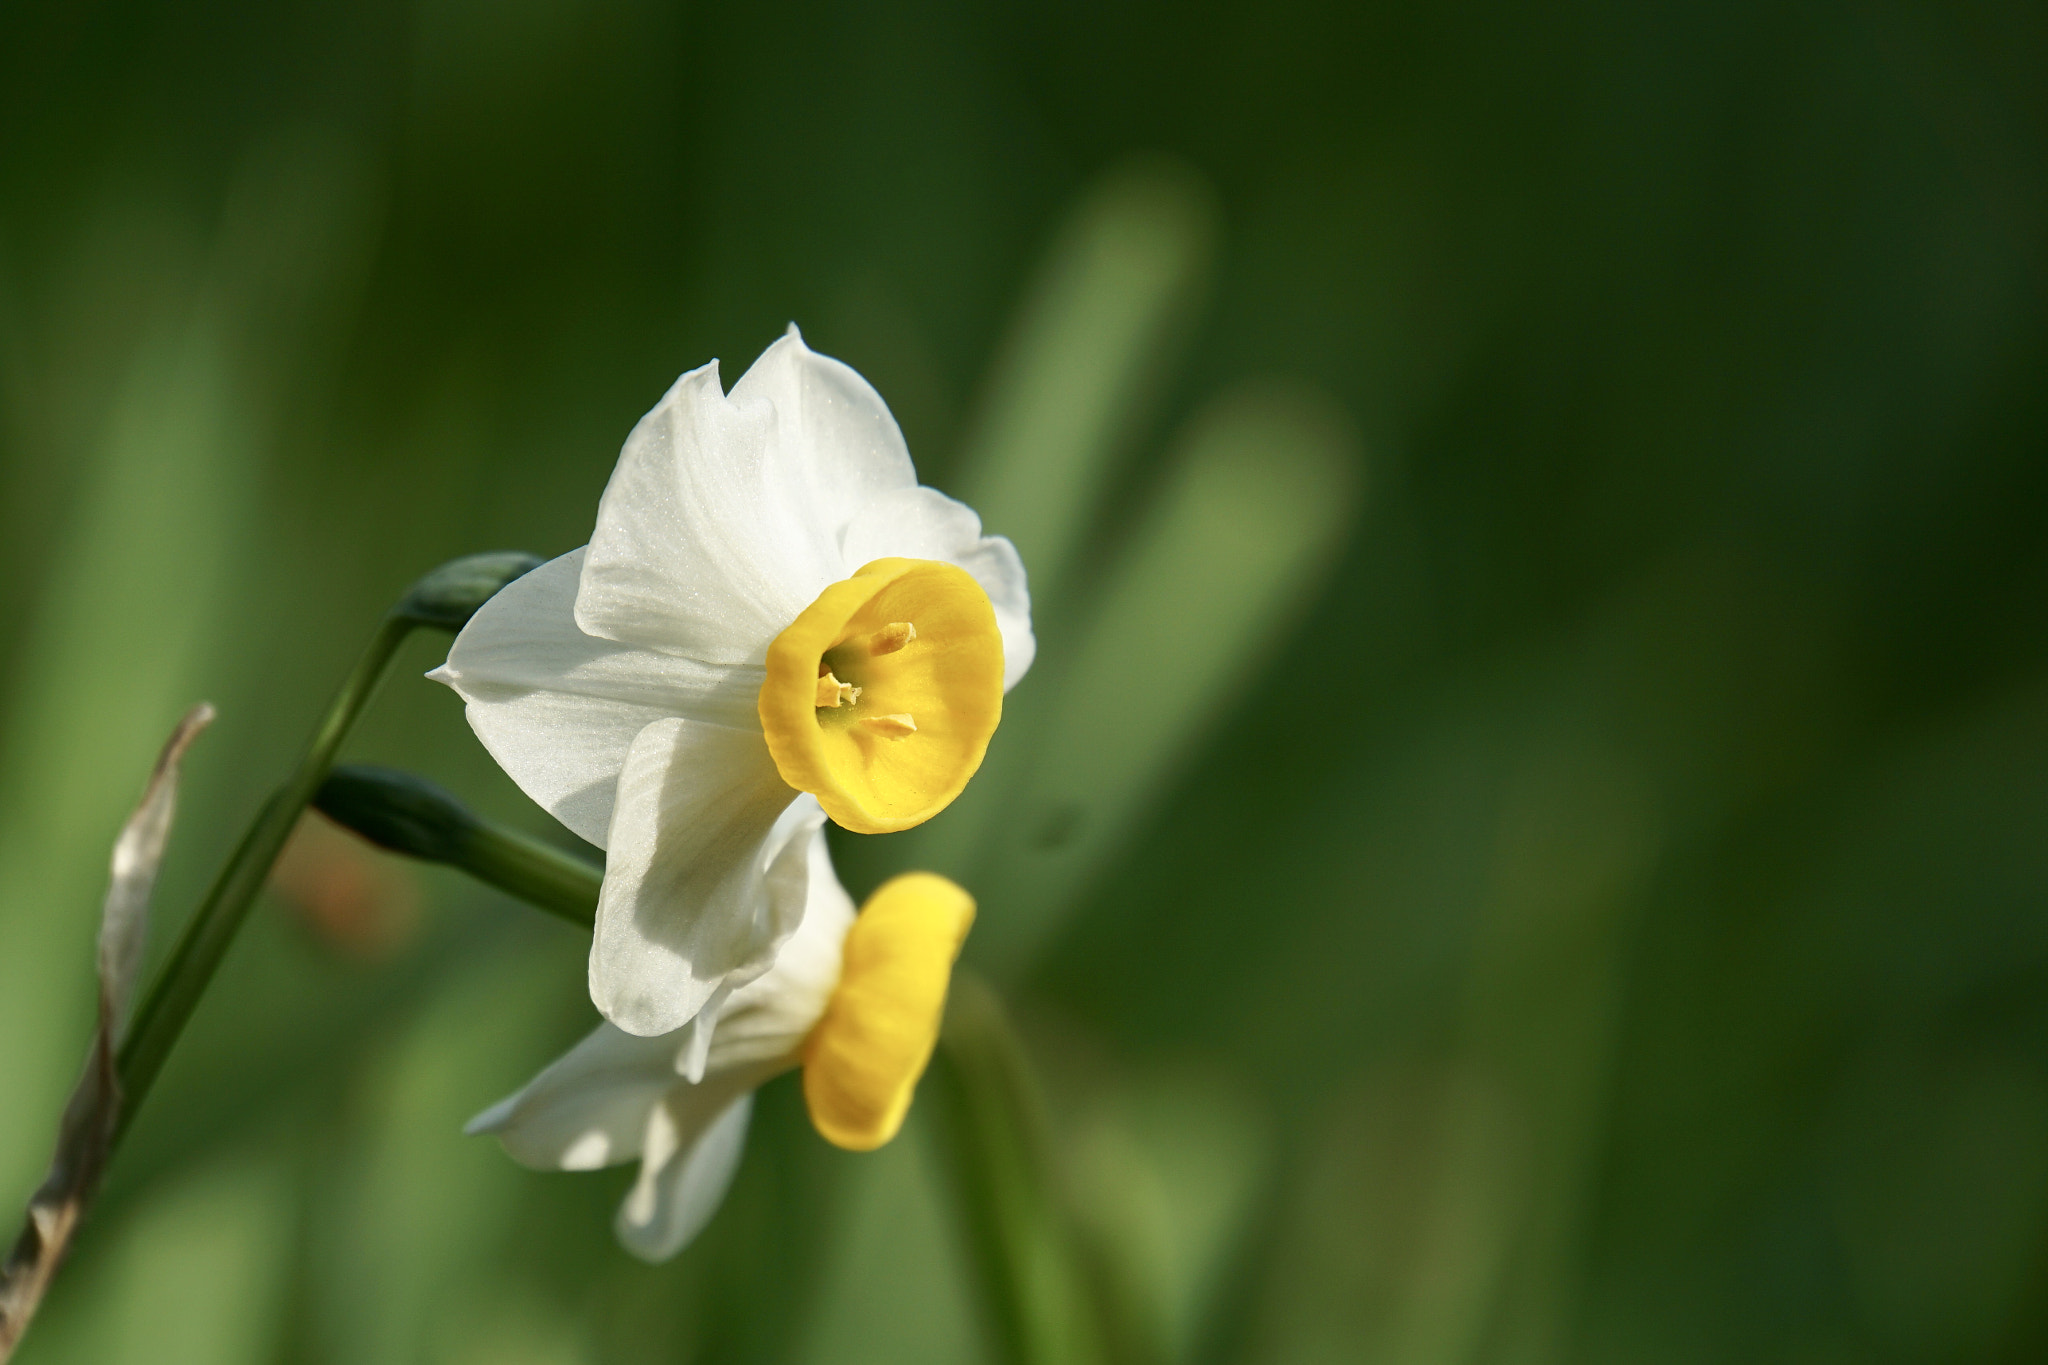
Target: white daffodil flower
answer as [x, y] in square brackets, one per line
[770, 604]
[854, 1000]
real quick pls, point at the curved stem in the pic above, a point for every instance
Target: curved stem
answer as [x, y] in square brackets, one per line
[444, 599]
[997, 1151]
[175, 992]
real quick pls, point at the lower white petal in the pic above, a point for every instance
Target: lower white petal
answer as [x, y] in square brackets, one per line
[558, 708]
[767, 1020]
[706, 873]
[923, 523]
[677, 1193]
[695, 1037]
[588, 1108]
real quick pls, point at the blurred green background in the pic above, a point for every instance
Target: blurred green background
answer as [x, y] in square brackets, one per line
[1528, 841]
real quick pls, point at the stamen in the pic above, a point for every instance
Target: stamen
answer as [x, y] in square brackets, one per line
[891, 727]
[832, 692]
[891, 637]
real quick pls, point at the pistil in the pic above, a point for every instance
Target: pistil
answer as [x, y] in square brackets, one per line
[834, 693]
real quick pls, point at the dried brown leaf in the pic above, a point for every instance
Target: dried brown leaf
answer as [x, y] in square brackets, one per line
[86, 1133]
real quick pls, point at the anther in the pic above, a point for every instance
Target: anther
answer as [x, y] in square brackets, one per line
[891, 727]
[891, 637]
[832, 692]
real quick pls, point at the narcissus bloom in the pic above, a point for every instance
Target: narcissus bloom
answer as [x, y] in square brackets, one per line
[854, 1000]
[770, 604]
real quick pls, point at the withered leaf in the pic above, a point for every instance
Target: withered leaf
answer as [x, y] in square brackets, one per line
[85, 1134]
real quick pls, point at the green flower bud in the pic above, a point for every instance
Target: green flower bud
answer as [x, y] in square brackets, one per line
[450, 595]
[410, 815]
[399, 811]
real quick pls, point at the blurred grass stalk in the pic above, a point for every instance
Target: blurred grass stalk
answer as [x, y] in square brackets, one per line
[1149, 632]
[133, 608]
[1144, 649]
[1140, 656]
[997, 1149]
[1579, 837]
[142, 589]
[1090, 351]
[1259, 494]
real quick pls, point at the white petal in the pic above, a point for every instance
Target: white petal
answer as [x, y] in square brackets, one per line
[708, 538]
[706, 875]
[559, 708]
[587, 1109]
[694, 1054]
[923, 523]
[676, 1196]
[831, 427]
[726, 517]
[995, 564]
[767, 1020]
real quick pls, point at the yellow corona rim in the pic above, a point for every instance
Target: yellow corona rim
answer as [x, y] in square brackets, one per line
[881, 697]
[863, 1060]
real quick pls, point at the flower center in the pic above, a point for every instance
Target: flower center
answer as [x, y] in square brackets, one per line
[881, 697]
[863, 1059]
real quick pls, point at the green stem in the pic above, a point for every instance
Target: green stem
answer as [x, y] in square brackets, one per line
[410, 815]
[444, 599]
[991, 1119]
[175, 993]
[520, 865]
